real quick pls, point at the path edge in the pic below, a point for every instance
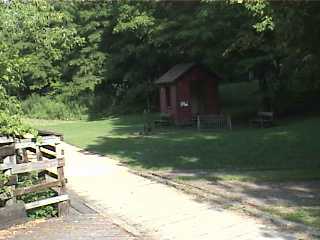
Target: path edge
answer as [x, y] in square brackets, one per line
[249, 208]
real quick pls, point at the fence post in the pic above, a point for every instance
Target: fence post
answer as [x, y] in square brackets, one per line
[13, 200]
[229, 121]
[63, 207]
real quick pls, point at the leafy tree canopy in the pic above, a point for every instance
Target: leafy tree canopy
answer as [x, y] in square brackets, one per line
[113, 51]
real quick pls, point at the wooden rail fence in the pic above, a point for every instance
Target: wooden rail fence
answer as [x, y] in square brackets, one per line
[44, 155]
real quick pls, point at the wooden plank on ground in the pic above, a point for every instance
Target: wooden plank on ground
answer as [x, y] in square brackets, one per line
[40, 165]
[47, 201]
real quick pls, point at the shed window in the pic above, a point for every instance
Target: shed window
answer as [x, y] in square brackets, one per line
[168, 96]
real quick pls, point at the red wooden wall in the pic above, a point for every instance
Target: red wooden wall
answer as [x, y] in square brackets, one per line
[180, 91]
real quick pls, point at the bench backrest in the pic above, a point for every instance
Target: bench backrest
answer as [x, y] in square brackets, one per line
[214, 121]
[268, 115]
[211, 117]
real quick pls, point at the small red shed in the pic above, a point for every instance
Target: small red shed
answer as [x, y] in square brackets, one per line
[188, 90]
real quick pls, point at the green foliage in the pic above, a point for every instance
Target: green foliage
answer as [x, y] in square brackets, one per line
[262, 11]
[282, 56]
[3, 189]
[41, 212]
[240, 100]
[85, 65]
[113, 51]
[47, 107]
[33, 37]
[308, 215]
[13, 126]
[39, 37]
[10, 121]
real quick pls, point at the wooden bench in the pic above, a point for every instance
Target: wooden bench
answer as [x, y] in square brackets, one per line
[263, 119]
[214, 122]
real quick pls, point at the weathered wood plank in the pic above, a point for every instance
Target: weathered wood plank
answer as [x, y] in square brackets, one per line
[7, 150]
[49, 153]
[4, 139]
[47, 201]
[37, 187]
[38, 154]
[50, 140]
[63, 207]
[51, 174]
[44, 152]
[50, 133]
[40, 165]
[33, 145]
[6, 166]
[30, 143]
[50, 147]
[44, 139]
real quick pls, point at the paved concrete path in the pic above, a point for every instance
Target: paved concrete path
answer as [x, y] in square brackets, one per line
[156, 211]
[83, 223]
[80, 227]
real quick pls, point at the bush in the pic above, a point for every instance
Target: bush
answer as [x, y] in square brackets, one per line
[28, 179]
[10, 116]
[46, 107]
[3, 188]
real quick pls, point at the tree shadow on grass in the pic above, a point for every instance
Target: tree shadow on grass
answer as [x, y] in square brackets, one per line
[177, 148]
[160, 151]
[194, 150]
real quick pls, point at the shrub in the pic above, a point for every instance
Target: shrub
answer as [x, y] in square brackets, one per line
[47, 107]
[29, 179]
[3, 188]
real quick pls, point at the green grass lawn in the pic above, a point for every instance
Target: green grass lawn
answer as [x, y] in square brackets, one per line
[292, 144]
[282, 175]
[307, 215]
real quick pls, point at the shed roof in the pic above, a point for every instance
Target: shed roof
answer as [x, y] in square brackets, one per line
[174, 73]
